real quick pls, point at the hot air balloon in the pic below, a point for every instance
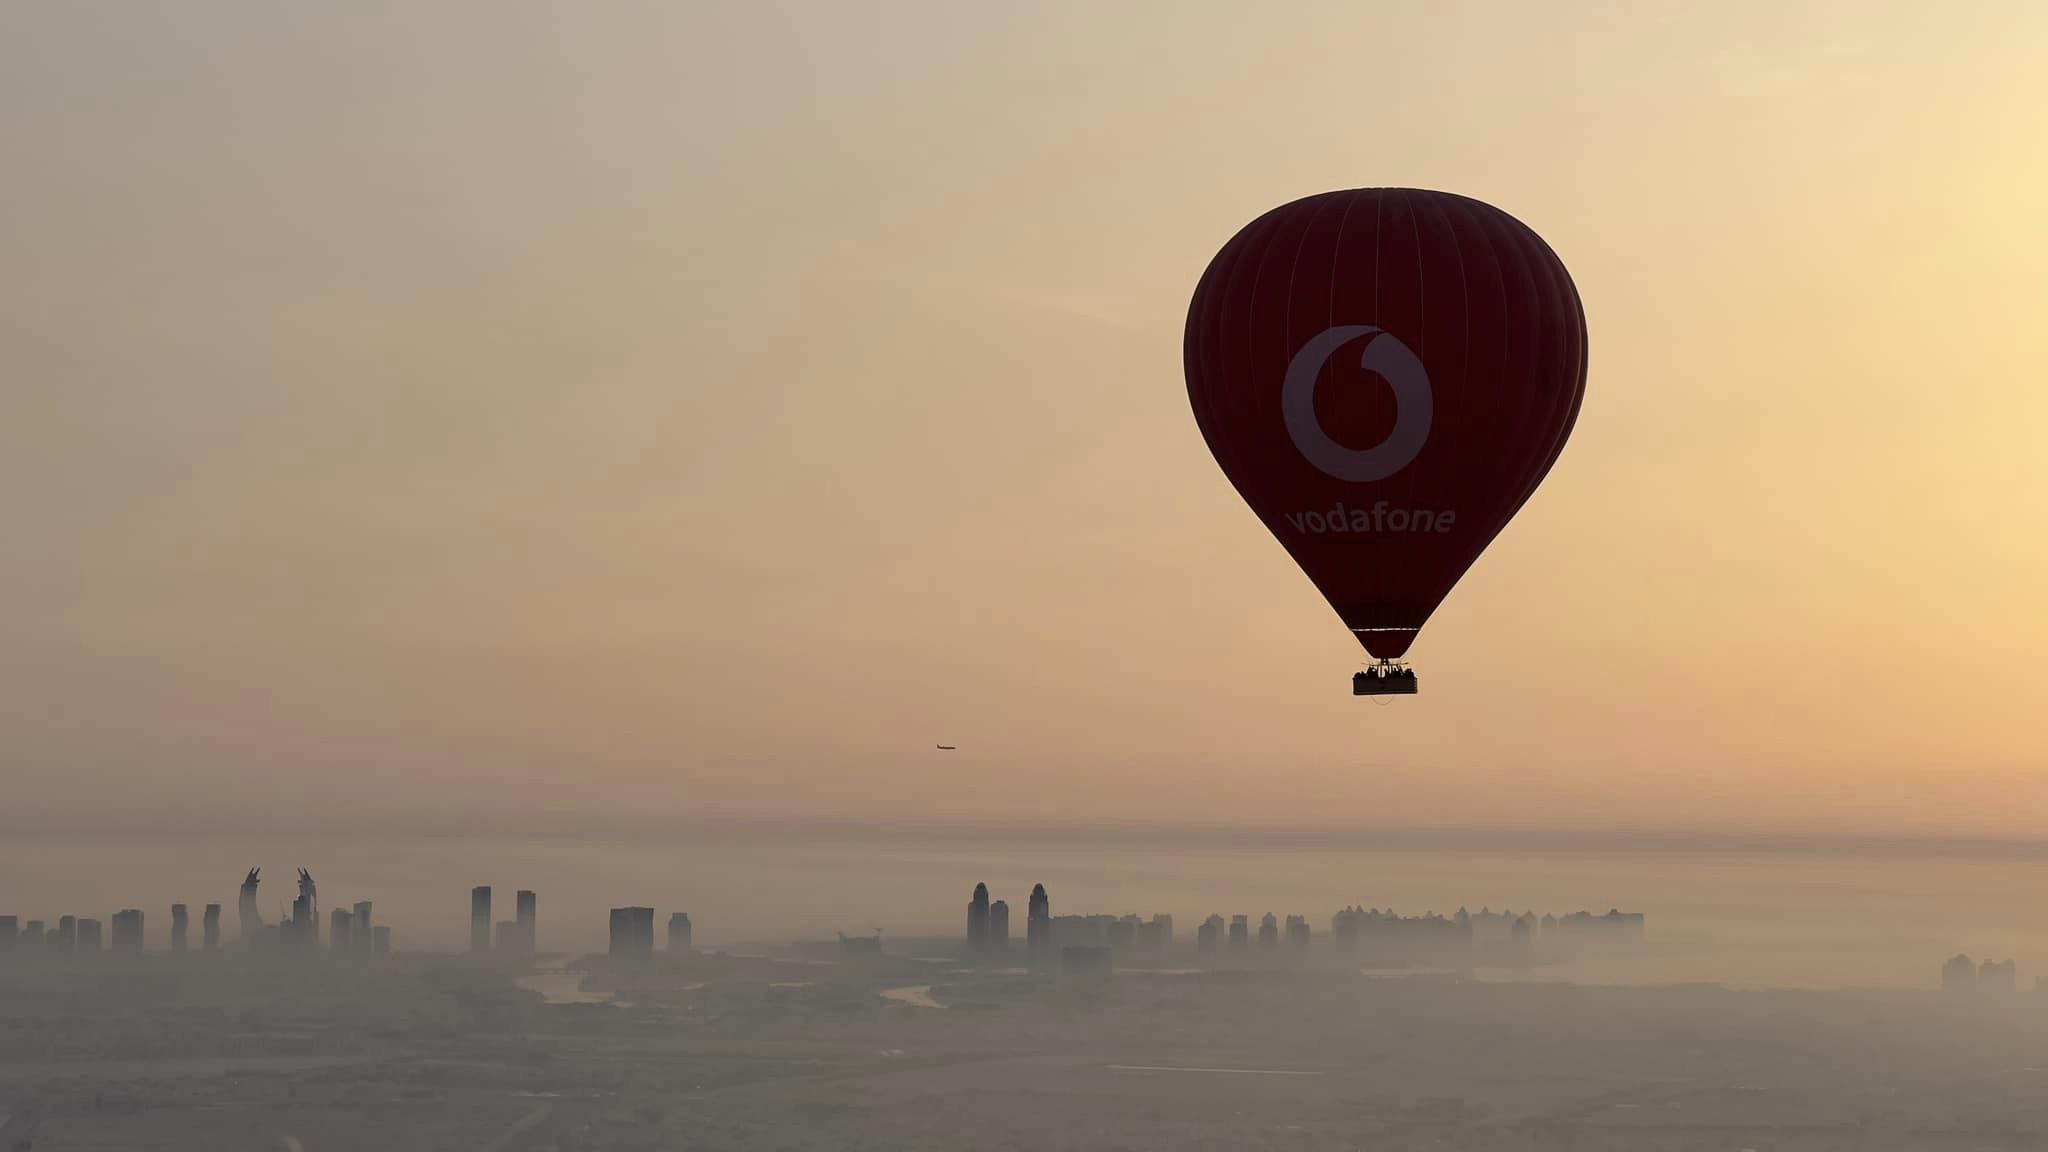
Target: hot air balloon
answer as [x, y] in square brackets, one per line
[1385, 375]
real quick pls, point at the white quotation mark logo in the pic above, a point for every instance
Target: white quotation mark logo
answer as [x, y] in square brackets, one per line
[1403, 372]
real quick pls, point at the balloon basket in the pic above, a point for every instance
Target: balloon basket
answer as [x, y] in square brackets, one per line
[1385, 679]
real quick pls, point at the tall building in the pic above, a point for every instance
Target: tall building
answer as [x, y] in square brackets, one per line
[480, 919]
[181, 926]
[209, 928]
[999, 927]
[85, 938]
[1269, 931]
[1993, 976]
[977, 920]
[10, 936]
[632, 936]
[340, 927]
[1038, 921]
[306, 913]
[1297, 932]
[128, 932]
[1959, 974]
[32, 936]
[361, 935]
[1344, 928]
[1123, 933]
[1209, 934]
[1240, 932]
[248, 921]
[1163, 923]
[679, 933]
[524, 908]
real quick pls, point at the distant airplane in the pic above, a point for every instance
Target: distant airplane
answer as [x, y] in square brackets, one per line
[946, 747]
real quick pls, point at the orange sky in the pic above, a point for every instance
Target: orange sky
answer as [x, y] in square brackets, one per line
[496, 409]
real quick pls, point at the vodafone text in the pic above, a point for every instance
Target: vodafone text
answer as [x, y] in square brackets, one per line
[1378, 518]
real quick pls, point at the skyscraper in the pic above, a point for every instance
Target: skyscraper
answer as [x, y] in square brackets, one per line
[86, 938]
[248, 921]
[209, 928]
[1038, 922]
[632, 937]
[977, 920]
[523, 905]
[306, 913]
[1240, 932]
[1269, 931]
[33, 938]
[480, 919]
[679, 933]
[67, 935]
[128, 932]
[1297, 932]
[360, 932]
[180, 928]
[1209, 936]
[999, 927]
[339, 928]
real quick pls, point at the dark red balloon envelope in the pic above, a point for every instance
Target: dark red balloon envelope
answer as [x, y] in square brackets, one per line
[1386, 374]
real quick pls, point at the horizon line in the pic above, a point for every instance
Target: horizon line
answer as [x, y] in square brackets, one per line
[1170, 834]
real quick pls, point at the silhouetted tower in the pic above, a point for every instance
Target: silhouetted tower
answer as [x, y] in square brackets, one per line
[1344, 928]
[248, 921]
[1269, 931]
[339, 928]
[1123, 933]
[360, 933]
[306, 912]
[999, 927]
[480, 919]
[1240, 932]
[1959, 974]
[1297, 932]
[977, 920]
[86, 938]
[679, 933]
[1209, 935]
[33, 938]
[181, 925]
[67, 935]
[209, 928]
[1993, 976]
[524, 907]
[632, 937]
[1038, 922]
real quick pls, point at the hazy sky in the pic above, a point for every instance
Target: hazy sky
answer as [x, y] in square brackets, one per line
[637, 411]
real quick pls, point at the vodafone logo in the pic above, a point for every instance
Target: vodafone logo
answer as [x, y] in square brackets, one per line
[1384, 355]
